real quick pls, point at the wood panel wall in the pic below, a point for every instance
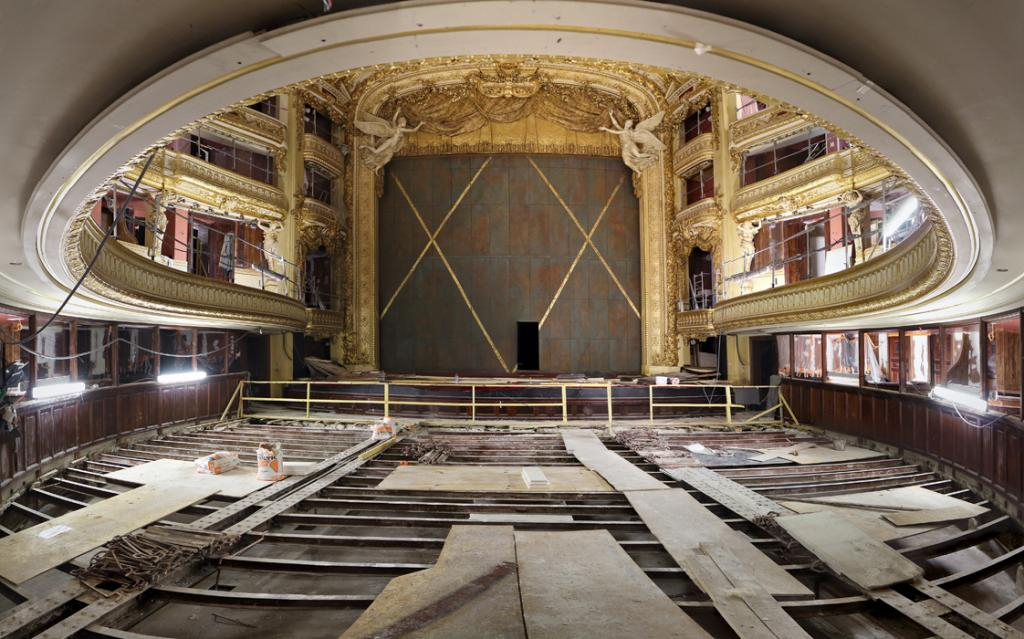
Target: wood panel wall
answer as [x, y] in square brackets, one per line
[50, 429]
[510, 242]
[988, 451]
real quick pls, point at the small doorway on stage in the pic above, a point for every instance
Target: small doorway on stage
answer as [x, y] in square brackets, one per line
[527, 346]
[764, 360]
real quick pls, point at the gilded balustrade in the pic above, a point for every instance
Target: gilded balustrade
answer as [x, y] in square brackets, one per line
[316, 149]
[123, 275]
[811, 185]
[324, 323]
[905, 273]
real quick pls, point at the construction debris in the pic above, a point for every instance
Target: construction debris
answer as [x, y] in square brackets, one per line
[428, 452]
[140, 559]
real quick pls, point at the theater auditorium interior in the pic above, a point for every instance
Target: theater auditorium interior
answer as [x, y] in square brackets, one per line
[509, 319]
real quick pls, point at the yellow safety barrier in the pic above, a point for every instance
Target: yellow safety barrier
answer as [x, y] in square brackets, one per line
[386, 400]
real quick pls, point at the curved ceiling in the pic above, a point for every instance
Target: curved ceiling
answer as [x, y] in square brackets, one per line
[57, 99]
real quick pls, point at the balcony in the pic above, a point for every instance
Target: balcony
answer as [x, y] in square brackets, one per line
[698, 150]
[124, 276]
[315, 212]
[316, 149]
[324, 323]
[763, 126]
[699, 224]
[696, 324]
[257, 127]
[814, 185]
[905, 273]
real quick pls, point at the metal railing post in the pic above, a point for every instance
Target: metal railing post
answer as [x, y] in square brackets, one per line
[565, 407]
[728, 405]
[309, 388]
[609, 388]
[387, 412]
[473, 403]
[241, 398]
[650, 401]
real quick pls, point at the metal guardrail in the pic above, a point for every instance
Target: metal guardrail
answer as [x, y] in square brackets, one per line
[658, 397]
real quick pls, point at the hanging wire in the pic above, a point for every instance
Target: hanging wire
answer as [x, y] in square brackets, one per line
[88, 267]
[231, 342]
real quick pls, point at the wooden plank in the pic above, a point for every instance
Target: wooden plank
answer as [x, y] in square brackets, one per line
[746, 606]
[582, 584]
[456, 478]
[618, 472]
[34, 550]
[768, 454]
[682, 524]
[921, 615]
[849, 551]
[733, 495]
[237, 482]
[460, 597]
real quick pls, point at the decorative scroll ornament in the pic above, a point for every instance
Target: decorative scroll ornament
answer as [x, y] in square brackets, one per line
[393, 134]
[507, 92]
[640, 147]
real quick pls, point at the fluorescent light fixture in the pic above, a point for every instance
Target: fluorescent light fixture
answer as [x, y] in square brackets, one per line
[903, 212]
[972, 402]
[56, 390]
[177, 378]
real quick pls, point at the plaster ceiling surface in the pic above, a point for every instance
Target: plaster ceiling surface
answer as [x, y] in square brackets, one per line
[88, 84]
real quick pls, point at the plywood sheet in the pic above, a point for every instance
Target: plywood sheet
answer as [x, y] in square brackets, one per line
[682, 524]
[822, 455]
[472, 591]
[849, 551]
[520, 518]
[929, 516]
[35, 550]
[905, 498]
[583, 584]
[870, 521]
[168, 473]
[491, 478]
[618, 472]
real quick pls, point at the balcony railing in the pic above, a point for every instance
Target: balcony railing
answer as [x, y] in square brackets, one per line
[316, 149]
[123, 275]
[763, 126]
[699, 149]
[809, 185]
[259, 127]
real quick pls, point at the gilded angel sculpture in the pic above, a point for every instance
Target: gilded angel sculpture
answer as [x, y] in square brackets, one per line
[640, 147]
[393, 134]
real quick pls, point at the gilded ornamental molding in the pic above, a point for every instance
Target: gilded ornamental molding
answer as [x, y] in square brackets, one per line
[811, 185]
[907, 272]
[695, 152]
[123, 275]
[700, 225]
[257, 127]
[322, 323]
[697, 324]
[205, 184]
[771, 123]
[327, 155]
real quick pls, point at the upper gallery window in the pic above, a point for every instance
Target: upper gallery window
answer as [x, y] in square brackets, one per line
[696, 123]
[785, 355]
[318, 124]
[1003, 362]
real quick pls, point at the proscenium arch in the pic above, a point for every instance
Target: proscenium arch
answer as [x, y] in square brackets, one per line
[654, 35]
[656, 275]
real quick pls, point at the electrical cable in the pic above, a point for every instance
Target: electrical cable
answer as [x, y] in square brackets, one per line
[92, 262]
[231, 343]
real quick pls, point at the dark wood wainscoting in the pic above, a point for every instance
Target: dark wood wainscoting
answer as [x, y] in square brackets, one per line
[987, 450]
[50, 429]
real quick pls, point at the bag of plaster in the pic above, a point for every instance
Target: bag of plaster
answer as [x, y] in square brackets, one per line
[269, 462]
[384, 429]
[220, 462]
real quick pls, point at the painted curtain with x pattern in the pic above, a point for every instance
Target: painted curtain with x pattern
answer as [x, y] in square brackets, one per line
[469, 245]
